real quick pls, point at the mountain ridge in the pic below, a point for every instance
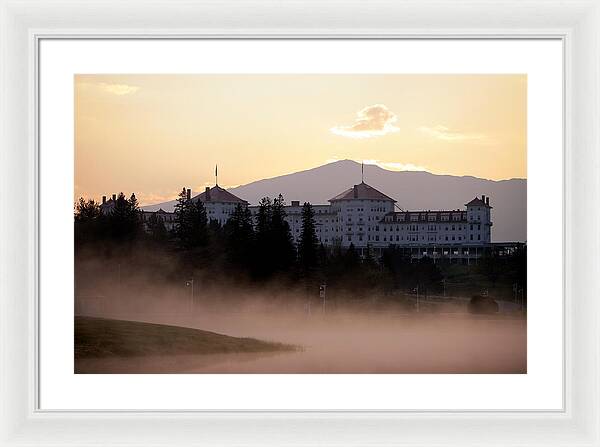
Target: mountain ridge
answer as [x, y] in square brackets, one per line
[412, 190]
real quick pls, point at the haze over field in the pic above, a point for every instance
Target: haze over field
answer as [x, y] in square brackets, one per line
[412, 190]
[348, 338]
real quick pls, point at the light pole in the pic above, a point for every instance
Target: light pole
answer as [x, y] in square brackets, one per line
[322, 294]
[190, 284]
[417, 291]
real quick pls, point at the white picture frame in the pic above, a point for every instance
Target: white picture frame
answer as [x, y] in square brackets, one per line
[24, 23]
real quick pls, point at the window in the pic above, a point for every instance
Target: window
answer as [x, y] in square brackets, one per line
[349, 237]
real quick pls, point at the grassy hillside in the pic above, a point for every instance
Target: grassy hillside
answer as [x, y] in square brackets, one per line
[99, 337]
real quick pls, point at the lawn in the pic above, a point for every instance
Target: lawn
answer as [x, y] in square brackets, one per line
[101, 338]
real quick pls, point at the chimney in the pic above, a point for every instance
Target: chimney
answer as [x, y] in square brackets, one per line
[114, 197]
[295, 202]
[487, 201]
[356, 191]
[483, 199]
[189, 193]
[207, 194]
[103, 200]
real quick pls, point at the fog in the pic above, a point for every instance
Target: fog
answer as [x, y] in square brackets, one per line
[346, 335]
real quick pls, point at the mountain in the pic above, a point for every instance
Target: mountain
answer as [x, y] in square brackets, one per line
[412, 190]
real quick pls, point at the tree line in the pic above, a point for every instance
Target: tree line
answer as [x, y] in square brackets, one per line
[259, 248]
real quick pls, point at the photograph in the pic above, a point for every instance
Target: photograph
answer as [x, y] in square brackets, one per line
[300, 223]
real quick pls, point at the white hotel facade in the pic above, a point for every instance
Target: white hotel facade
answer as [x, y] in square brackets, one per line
[369, 220]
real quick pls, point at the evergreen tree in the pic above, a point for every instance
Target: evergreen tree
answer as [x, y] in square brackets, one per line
[274, 244]
[239, 234]
[87, 211]
[263, 260]
[181, 216]
[263, 220]
[308, 244]
[351, 259]
[198, 224]
[190, 222]
[282, 243]
[89, 222]
[156, 226]
[124, 219]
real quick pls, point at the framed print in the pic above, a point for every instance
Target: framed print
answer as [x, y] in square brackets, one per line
[313, 231]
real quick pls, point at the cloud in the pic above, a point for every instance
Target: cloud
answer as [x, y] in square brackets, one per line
[113, 89]
[395, 166]
[118, 89]
[372, 121]
[446, 134]
[389, 165]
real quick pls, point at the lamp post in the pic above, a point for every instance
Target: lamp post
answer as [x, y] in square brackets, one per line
[190, 284]
[416, 289]
[322, 294]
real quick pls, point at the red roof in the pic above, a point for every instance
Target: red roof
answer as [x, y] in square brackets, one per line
[218, 194]
[360, 192]
[477, 202]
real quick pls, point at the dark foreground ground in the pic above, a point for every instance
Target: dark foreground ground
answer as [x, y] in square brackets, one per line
[104, 340]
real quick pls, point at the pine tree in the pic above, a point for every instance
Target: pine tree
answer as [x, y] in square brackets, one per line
[239, 233]
[308, 244]
[263, 220]
[89, 221]
[87, 211]
[351, 258]
[198, 224]
[282, 243]
[191, 223]
[124, 218]
[182, 217]
[156, 226]
[262, 246]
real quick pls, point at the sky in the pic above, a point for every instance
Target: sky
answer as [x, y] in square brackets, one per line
[154, 134]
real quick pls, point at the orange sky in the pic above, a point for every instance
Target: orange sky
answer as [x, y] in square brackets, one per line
[154, 134]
